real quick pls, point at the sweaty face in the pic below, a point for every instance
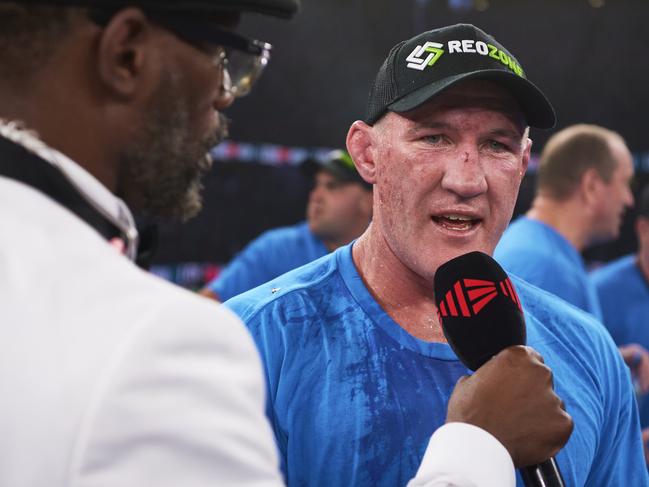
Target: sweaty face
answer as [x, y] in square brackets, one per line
[335, 210]
[448, 174]
[161, 168]
[616, 195]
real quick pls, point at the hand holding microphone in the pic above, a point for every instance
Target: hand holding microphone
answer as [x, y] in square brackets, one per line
[511, 394]
[511, 397]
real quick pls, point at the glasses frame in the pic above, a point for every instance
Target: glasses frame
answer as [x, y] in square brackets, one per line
[197, 31]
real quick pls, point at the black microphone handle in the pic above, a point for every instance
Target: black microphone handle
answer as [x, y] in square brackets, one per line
[546, 474]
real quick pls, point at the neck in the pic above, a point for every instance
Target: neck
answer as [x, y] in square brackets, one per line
[333, 244]
[61, 128]
[75, 125]
[566, 217]
[406, 297]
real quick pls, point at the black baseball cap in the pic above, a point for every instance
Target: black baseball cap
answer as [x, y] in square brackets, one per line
[277, 8]
[420, 68]
[340, 165]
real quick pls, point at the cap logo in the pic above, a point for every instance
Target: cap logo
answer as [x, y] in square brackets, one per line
[434, 50]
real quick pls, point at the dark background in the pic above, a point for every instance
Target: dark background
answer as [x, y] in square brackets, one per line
[591, 61]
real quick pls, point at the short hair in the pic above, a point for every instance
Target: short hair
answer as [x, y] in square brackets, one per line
[643, 203]
[29, 35]
[572, 151]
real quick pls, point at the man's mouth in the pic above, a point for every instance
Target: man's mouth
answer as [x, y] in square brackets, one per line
[458, 223]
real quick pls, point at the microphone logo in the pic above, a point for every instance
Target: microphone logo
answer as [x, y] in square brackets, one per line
[468, 297]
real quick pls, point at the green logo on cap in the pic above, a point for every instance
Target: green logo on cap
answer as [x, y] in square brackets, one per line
[428, 54]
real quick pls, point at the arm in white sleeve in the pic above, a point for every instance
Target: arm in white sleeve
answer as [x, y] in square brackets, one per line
[182, 405]
[463, 455]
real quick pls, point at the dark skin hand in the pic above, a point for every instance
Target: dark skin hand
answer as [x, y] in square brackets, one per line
[512, 397]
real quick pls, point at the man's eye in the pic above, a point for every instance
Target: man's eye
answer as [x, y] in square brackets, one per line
[497, 146]
[434, 139]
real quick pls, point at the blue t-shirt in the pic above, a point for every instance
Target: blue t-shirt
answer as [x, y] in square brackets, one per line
[624, 295]
[353, 398]
[539, 254]
[270, 255]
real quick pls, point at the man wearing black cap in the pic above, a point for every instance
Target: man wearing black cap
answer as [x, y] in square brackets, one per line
[359, 372]
[339, 210]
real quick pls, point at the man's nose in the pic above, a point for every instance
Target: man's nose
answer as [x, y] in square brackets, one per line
[316, 193]
[464, 174]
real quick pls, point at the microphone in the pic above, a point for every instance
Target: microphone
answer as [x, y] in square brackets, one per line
[481, 315]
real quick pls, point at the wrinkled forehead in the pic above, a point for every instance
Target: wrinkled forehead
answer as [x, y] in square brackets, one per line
[474, 96]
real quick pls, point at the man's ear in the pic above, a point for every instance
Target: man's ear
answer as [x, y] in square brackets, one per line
[642, 228]
[527, 154]
[124, 52]
[359, 144]
[591, 186]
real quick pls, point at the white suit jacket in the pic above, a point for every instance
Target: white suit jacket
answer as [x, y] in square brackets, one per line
[112, 377]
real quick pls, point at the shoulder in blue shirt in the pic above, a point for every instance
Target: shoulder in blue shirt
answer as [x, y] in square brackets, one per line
[624, 295]
[270, 255]
[539, 254]
[353, 398]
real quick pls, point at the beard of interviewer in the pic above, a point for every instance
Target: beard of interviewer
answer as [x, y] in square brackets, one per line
[162, 167]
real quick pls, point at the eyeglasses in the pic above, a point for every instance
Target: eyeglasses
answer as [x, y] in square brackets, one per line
[241, 60]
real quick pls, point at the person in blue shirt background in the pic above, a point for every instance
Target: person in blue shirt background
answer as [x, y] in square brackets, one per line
[358, 370]
[338, 211]
[623, 290]
[582, 193]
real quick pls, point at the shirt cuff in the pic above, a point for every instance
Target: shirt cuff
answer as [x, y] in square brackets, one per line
[463, 455]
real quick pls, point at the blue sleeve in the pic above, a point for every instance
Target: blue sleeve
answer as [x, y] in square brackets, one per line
[249, 268]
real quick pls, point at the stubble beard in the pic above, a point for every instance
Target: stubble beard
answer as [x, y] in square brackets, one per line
[161, 169]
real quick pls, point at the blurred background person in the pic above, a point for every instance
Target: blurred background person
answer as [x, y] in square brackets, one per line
[338, 211]
[582, 193]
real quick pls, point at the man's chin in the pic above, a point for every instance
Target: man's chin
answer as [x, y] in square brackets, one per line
[183, 206]
[192, 203]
